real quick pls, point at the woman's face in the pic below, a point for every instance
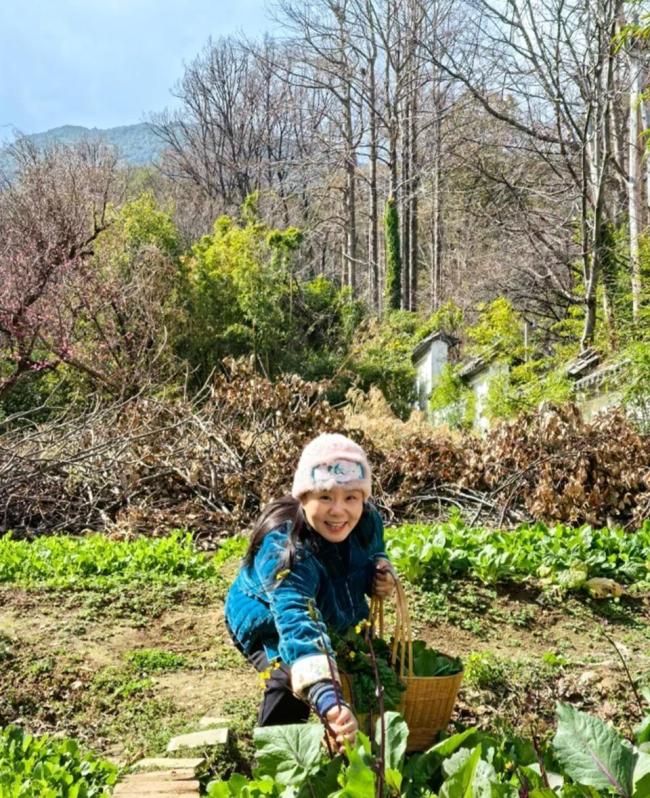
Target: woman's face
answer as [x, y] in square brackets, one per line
[333, 513]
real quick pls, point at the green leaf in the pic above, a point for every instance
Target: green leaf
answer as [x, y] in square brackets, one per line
[447, 747]
[507, 791]
[592, 753]
[239, 786]
[393, 779]
[642, 731]
[397, 733]
[288, 753]
[218, 789]
[324, 782]
[459, 784]
[641, 771]
[485, 782]
[358, 778]
[456, 761]
[642, 787]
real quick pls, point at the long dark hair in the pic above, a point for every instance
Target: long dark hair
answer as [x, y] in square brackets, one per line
[274, 515]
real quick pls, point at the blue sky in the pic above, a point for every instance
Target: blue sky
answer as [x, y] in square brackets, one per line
[103, 63]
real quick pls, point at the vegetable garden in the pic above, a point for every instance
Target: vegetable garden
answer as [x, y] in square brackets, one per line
[112, 645]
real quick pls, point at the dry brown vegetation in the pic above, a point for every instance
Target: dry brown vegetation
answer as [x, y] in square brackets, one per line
[150, 465]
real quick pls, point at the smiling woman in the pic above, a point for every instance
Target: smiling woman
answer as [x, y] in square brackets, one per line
[333, 513]
[314, 558]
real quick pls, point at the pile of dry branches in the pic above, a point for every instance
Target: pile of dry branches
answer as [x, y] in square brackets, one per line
[209, 464]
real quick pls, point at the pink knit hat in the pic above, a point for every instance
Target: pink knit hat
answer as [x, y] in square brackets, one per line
[331, 460]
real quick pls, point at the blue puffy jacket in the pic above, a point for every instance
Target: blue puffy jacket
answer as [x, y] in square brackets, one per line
[326, 588]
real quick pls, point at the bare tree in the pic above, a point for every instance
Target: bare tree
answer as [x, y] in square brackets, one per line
[51, 214]
[546, 69]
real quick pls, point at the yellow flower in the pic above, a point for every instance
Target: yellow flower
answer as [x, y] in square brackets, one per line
[282, 574]
[361, 626]
[352, 654]
[264, 676]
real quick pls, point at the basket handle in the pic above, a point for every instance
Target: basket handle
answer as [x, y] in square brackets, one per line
[402, 648]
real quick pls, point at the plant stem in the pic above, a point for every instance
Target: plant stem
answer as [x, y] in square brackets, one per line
[540, 758]
[380, 763]
[612, 642]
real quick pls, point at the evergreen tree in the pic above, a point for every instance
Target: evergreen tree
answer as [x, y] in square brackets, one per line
[393, 259]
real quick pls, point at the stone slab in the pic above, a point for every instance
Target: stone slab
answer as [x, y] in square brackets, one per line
[135, 792]
[171, 763]
[174, 774]
[202, 739]
[150, 789]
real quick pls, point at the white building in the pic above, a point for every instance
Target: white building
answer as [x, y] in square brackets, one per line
[428, 358]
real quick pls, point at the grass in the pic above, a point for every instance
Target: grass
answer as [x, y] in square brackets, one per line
[125, 701]
[152, 660]
[231, 549]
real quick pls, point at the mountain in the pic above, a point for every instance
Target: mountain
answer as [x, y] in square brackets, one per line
[137, 144]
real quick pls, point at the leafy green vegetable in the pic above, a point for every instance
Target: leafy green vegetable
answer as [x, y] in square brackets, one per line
[96, 560]
[358, 778]
[429, 662]
[353, 658]
[560, 556]
[396, 737]
[459, 781]
[43, 767]
[595, 762]
[289, 754]
[592, 753]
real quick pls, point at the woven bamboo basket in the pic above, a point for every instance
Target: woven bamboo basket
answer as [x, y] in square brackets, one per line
[428, 701]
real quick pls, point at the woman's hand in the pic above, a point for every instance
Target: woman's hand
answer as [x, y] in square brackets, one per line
[384, 582]
[342, 724]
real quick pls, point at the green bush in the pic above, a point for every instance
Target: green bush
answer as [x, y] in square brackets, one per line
[525, 386]
[452, 402]
[381, 357]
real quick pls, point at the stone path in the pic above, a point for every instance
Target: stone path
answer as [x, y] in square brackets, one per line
[168, 776]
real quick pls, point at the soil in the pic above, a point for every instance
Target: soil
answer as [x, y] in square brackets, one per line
[64, 663]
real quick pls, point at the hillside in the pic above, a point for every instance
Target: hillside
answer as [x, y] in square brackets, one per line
[136, 143]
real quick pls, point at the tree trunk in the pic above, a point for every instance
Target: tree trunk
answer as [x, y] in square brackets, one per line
[413, 201]
[645, 116]
[405, 206]
[373, 205]
[632, 184]
[435, 276]
[393, 256]
[350, 200]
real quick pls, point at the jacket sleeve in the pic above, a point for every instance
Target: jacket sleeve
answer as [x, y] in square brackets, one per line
[376, 549]
[304, 643]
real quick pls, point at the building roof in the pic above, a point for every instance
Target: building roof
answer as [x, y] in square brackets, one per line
[585, 362]
[474, 366]
[425, 343]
